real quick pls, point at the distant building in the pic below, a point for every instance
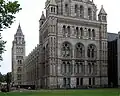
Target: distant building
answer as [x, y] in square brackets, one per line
[114, 59]
[18, 55]
[118, 59]
[33, 69]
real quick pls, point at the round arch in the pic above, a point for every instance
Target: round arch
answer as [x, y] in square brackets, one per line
[92, 51]
[66, 49]
[79, 50]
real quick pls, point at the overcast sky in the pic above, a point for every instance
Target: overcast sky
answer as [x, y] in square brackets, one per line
[29, 17]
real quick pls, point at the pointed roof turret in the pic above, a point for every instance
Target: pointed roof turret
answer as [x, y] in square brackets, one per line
[42, 16]
[19, 31]
[52, 2]
[102, 11]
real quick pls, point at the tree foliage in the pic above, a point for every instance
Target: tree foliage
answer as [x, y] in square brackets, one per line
[9, 77]
[6, 78]
[8, 9]
[2, 47]
[2, 78]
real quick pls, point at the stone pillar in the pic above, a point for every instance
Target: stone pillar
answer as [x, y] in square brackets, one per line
[86, 68]
[59, 67]
[86, 12]
[72, 10]
[73, 67]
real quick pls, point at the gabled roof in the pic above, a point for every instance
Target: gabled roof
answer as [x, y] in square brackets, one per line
[102, 11]
[42, 16]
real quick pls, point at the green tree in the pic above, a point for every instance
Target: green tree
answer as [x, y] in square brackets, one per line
[8, 80]
[8, 9]
[2, 47]
[1, 77]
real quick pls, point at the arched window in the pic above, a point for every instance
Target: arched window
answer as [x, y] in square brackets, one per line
[67, 9]
[92, 51]
[93, 33]
[80, 50]
[20, 61]
[54, 9]
[89, 33]
[58, 11]
[41, 22]
[104, 18]
[69, 67]
[19, 69]
[90, 13]
[81, 31]
[51, 9]
[82, 67]
[93, 67]
[81, 11]
[89, 68]
[68, 31]
[66, 50]
[65, 67]
[79, 67]
[77, 32]
[19, 76]
[76, 8]
[22, 39]
[64, 30]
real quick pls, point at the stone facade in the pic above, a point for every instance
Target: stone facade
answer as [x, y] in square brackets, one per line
[33, 68]
[18, 55]
[72, 50]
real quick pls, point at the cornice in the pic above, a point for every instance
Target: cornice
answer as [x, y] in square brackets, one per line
[78, 21]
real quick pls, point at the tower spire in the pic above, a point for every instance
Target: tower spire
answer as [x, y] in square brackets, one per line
[19, 30]
[102, 16]
[102, 11]
[42, 16]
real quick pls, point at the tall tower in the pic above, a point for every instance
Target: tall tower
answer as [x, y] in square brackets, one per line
[102, 18]
[18, 55]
